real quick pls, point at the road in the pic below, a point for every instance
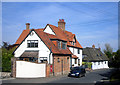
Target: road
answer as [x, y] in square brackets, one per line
[91, 77]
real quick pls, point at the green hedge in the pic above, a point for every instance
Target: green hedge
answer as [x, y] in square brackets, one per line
[6, 59]
[89, 64]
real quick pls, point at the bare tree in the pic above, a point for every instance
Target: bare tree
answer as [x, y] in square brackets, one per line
[108, 50]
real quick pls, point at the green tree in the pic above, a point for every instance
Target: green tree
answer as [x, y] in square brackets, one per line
[6, 57]
[116, 59]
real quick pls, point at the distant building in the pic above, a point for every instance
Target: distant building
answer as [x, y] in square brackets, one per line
[96, 57]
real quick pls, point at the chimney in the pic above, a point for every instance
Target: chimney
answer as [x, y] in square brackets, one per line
[93, 46]
[61, 24]
[27, 26]
[99, 48]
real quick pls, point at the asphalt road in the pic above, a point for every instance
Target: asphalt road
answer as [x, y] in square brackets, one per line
[91, 77]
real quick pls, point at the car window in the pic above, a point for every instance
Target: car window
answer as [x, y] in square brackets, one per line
[75, 68]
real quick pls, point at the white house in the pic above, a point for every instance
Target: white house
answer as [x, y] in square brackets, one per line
[96, 57]
[55, 46]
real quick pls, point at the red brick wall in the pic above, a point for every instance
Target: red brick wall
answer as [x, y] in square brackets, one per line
[48, 70]
[61, 67]
[13, 67]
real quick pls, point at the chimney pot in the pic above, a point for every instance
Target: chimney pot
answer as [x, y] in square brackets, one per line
[99, 48]
[93, 46]
[61, 24]
[27, 26]
[62, 20]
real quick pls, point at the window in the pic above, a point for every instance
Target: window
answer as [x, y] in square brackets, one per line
[32, 43]
[58, 59]
[105, 62]
[98, 63]
[59, 44]
[78, 51]
[75, 61]
[102, 62]
[78, 61]
[63, 45]
[43, 59]
[67, 59]
[94, 63]
[73, 43]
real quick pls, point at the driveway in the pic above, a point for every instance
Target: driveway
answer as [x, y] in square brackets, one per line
[91, 77]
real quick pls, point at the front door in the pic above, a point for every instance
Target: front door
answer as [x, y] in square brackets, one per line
[62, 66]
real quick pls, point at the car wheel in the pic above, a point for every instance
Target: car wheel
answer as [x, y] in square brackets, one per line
[84, 75]
[79, 75]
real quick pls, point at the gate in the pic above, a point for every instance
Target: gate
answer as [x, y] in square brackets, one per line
[25, 69]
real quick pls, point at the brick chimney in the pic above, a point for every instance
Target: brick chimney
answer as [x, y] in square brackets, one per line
[99, 48]
[93, 46]
[61, 24]
[27, 26]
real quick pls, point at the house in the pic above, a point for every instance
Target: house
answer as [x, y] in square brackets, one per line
[96, 57]
[52, 48]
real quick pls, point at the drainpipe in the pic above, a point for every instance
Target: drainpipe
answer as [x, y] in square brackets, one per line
[71, 61]
[53, 64]
[49, 55]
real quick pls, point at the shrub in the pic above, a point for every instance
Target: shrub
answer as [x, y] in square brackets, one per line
[88, 64]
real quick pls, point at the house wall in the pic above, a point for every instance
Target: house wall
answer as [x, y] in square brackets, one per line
[26, 69]
[42, 48]
[63, 66]
[49, 30]
[75, 52]
[100, 66]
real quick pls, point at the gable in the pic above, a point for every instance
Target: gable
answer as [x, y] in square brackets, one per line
[23, 45]
[49, 30]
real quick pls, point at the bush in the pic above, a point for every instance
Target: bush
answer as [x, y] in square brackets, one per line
[6, 59]
[88, 64]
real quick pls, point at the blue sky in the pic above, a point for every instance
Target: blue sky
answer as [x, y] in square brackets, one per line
[92, 22]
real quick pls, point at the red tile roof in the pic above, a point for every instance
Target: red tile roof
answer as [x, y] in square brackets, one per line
[22, 36]
[45, 38]
[60, 34]
[65, 35]
[74, 56]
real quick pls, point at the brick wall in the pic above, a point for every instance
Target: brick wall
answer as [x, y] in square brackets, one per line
[48, 70]
[13, 67]
[61, 65]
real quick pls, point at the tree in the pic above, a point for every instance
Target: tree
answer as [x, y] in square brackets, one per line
[6, 57]
[116, 59]
[108, 50]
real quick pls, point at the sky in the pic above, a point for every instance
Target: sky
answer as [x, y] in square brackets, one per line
[92, 22]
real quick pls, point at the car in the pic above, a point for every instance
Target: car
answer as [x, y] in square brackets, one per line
[77, 72]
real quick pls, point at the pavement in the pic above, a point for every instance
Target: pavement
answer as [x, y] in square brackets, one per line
[96, 77]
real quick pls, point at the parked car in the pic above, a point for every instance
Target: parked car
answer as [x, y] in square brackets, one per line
[77, 72]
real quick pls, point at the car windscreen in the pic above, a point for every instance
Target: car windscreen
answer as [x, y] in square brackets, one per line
[75, 68]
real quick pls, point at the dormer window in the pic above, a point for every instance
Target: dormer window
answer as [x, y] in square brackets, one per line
[32, 43]
[63, 45]
[59, 44]
[73, 43]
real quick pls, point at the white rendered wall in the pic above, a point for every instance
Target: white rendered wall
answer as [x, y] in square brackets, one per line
[75, 52]
[42, 48]
[100, 66]
[49, 30]
[106, 65]
[26, 69]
